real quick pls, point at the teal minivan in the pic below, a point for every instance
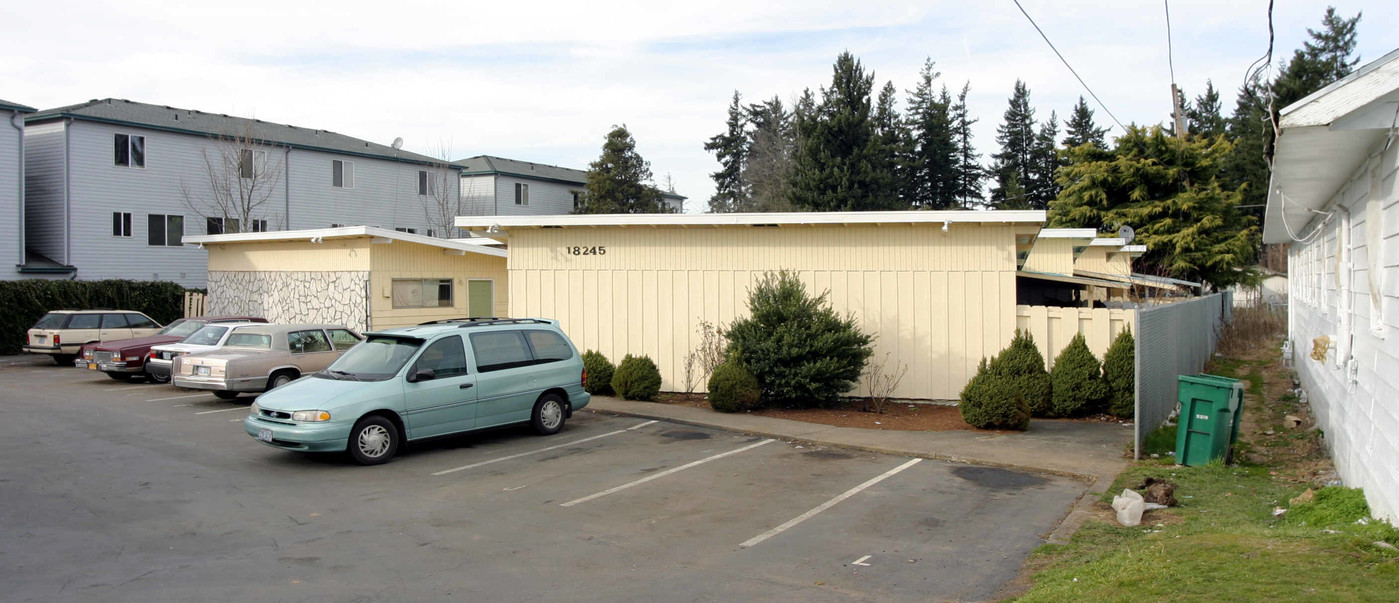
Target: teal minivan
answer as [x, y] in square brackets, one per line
[428, 381]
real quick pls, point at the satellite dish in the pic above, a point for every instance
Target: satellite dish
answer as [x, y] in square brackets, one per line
[1126, 233]
[398, 143]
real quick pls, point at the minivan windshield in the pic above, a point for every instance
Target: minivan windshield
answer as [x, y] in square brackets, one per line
[52, 320]
[181, 328]
[378, 358]
[209, 335]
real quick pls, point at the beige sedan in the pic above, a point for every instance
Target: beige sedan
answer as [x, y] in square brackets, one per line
[260, 358]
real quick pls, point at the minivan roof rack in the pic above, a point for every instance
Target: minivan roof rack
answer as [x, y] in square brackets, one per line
[479, 321]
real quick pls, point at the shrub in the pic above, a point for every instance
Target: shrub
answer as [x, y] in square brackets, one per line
[1077, 380]
[992, 400]
[26, 301]
[637, 378]
[1024, 365]
[733, 389]
[599, 370]
[1120, 375]
[801, 352]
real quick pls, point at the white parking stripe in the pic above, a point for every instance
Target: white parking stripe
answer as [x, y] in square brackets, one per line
[124, 388]
[664, 473]
[826, 505]
[515, 456]
[210, 412]
[640, 425]
[178, 397]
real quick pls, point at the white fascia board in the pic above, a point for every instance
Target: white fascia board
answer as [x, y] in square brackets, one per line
[1068, 233]
[751, 219]
[1135, 250]
[1108, 242]
[344, 232]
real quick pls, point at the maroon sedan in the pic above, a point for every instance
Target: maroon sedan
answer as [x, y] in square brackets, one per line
[125, 359]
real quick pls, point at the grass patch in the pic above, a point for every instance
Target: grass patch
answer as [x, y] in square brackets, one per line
[1331, 506]
[1160, 441]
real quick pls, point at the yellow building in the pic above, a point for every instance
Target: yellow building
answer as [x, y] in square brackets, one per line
[364, 277]
[938, 289]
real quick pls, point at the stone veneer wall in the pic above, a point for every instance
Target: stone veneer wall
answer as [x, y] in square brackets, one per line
[292, 297]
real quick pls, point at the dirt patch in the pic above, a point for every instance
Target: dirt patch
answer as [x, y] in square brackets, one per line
[897, 417]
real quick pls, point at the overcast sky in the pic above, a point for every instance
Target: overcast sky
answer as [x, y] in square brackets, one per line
[545, 81]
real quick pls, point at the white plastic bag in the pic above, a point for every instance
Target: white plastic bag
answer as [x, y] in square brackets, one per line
[1129, 507]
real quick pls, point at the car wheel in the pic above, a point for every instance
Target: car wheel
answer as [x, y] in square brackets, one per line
[120, 376]
[225, 395]
[548, 415]
[154, 378]
[279, 380]
[64, 359]
[373, 441]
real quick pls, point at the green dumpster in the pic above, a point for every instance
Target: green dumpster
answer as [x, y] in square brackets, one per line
[1209, 418]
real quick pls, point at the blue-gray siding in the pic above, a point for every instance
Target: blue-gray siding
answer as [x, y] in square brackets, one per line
[494, 195]
[11, 163]
[44, 190]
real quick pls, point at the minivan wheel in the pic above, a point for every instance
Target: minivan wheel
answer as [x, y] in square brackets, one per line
[373, 441]
[548, 415]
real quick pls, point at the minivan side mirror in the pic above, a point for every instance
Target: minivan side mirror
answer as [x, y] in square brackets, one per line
[422, 374]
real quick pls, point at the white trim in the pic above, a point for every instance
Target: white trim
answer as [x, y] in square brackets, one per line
[751, 219]
[344, 232]
[1108, 242]
[1070, 233]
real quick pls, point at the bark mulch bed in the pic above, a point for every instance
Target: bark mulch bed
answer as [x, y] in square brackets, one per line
[900, 417]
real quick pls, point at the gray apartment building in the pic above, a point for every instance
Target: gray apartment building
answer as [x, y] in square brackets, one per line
[496, 186]
[12, 188]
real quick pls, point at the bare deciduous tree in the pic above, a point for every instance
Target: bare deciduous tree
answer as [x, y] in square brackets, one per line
[881, 379]
[442, 202]
[241, 174]
[701, 362]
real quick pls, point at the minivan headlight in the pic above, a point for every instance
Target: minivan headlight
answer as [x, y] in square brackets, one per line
[254, 409]
[310, 416]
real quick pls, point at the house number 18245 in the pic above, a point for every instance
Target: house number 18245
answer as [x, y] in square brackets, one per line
[594, 250]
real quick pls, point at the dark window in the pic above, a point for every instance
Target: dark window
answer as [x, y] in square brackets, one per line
[521, 194]
[258, 225]
[114, 321]
[548, 346]
[246, 164]
[407, 230]
[138, 151]
[155, 230]
[500, 350]
[174, 231]
[446, 357]
[577, 199]
[129, 150]
[423, 180]
[307, 342]
[141, 321]
[221, 226]
[121, 224]
[343, 339]
[51, 321]
[424, 293]
[165, 231]
[85, 321]
[342, 174]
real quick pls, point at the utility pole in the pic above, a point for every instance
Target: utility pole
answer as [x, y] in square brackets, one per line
[1177, 112]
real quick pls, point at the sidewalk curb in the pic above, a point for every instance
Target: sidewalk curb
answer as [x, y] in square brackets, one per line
[1090, 478]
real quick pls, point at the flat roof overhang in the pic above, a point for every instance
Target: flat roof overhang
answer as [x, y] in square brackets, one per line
[376, 235]
[500, 224]
[1076, 280]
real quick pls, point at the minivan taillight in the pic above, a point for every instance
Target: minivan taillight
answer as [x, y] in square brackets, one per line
[584, 381]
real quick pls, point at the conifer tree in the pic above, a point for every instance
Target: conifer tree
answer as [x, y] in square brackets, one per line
[767, 173]
[1080, 129]
[1045, 157]
[838, 161]
[1203, 117]
[894, 147]
[1016, 137]
[931, 178]
[731, 149]
[966, 169]
[619, 182]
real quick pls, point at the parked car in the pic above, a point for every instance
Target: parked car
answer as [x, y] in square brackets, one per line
[207, 339]
[124, 359]
[61, 333]
[428, 381]
[264, 357]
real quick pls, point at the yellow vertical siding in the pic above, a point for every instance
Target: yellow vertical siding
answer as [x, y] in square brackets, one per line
[937, 301]
[1094, 259]
[408, 260]
[1055, 256]
[1053, 328]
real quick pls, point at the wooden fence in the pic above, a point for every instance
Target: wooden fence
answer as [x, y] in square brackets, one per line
[1053, 328]
[194, 304]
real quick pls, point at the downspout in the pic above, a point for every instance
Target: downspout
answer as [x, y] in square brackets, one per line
[19, 127]
[1344, 303]
[68, 194]
[286, 188]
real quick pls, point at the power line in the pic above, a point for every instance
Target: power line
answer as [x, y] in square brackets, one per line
[1071, 68]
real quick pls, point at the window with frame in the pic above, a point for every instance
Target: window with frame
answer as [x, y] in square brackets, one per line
[577, 199]
[215, 226]
[342, 174]
[251, 162]
[121, 224]
[343, 339]
[431, 232]
[548, 346]
[141, 321]
[427, 185]
[85, 321]
[422, 293]
[337, 225]
[407, 230]
[129, 150]
[257, 225]
[446, 357]
[521, 193]
[115, 321]
[165, 230]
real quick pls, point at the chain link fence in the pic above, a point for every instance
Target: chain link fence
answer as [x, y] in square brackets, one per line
[1173, 339]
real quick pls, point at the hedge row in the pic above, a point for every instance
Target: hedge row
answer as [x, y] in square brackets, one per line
[23, 303]
[1013, 386]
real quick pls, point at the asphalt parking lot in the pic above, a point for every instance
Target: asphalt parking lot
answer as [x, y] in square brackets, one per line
[115, 491]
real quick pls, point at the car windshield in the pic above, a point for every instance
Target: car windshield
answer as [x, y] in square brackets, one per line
[51, 320]
[378, 358]
[209, 335]
[249, 340]
[181, 328]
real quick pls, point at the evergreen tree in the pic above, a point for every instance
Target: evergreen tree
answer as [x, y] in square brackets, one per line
[767, 173]
[1168, 190]
[1016, 137]
[966, 166]
[1045, 156]
[931, 179]
[1080, 128]
[838, 158]
[894, 147]
[730, 148]
[1325, 58]
[1203, 117]
[619, 182]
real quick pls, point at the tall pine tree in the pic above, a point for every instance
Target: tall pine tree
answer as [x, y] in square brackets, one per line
[931, 179]
[1080, 129]
[619, 182]
[1045, 156]
[966, 163]
[1016, 137]
[838, 160]
[894, 146]
[731, 149]
[1203, 117]
[767, 173]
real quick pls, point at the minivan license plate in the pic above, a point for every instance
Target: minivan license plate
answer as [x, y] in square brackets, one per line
[264, 435]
